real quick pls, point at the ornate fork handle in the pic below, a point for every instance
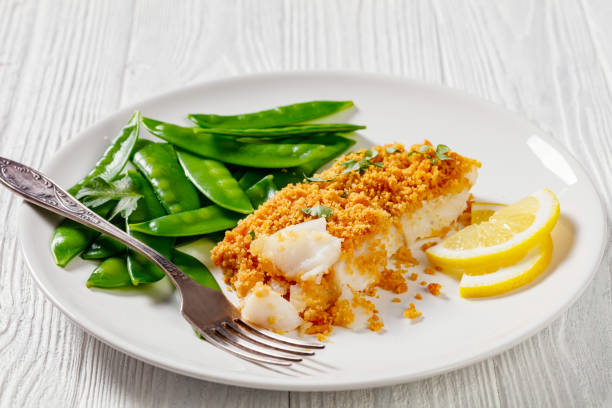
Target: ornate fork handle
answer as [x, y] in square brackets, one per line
[38, 189]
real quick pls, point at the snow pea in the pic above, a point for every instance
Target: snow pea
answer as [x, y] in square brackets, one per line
[140, 269]
[159, 164]
[261, 191]
[116, 156]
[103, 247]
[251, 177]
[71, 238]
[194, 269]
[282, 177]
[111, 273]
[286, 153]
[140, 143]
[297, 174]
[282, 132]
[196, 222]
[282, 115]
[215, 181]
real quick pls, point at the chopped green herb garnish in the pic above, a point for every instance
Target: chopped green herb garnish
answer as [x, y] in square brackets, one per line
[316, 179]
[439, 153]
[363, 164]
[353, 165]
[318, 211]
[391, 150]
[252, 234]
[99, 191]
[344, 194]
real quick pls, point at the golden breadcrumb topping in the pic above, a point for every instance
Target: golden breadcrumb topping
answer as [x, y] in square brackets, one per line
[403, 258]
[364, 203]
[412, 312]
[392, 280]
[428, 245]
[434, 288]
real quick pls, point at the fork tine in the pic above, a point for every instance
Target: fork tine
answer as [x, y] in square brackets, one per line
[251, 347]
[238, 330]
[219, 342]
[281, 339]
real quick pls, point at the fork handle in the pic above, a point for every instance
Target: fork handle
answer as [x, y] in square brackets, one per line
[36, 188]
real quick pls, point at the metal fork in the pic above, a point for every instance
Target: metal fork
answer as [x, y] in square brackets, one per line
[207, 310]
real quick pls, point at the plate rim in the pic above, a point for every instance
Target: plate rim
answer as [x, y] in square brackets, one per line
[239, 379]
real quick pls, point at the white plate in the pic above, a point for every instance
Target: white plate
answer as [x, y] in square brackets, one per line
[517, 159]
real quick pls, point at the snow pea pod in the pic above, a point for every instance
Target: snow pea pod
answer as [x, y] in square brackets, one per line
[282, 177]
[197, 222]
[103, 247]
[286, 153]
[215, 181]
[261, 191]
[252, 176]
[282, 132]
[111, 273]
[282, 115]
[159, 164]
[116, 156]
[71, 238]
[323, 156]
[194, 269]
[140, 143]
[140, 269]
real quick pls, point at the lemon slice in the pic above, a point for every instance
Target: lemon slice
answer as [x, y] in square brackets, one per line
[483, 211]
[502, 240]
[509, 278]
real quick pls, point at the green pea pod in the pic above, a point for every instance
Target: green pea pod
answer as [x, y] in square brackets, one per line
[283, 177]
[194, 269]
[215, 181]
[286, 153]
[103, 247]
[159, 164]
[282, 132]
[252, 176]
[283, 115]
[261, 191]
[140, 144]
[197, 222]
[116, 156]
[71, 238]
[111, 273]
[142, 270]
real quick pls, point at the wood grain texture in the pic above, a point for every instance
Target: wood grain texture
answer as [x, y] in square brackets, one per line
[66, 64]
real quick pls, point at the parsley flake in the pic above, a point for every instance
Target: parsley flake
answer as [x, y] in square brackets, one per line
[100, 191]
[252, 234]
[439, 154]
[317, 179]
[318, 211]
[352, 165]
[391, 150]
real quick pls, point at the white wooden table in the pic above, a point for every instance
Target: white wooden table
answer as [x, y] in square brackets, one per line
[66, 64]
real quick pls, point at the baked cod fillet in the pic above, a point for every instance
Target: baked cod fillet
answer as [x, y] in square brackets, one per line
[293, 268]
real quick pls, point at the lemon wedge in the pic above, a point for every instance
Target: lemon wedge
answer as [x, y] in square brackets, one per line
[506, 279]
[483, 211]
[503, 240]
